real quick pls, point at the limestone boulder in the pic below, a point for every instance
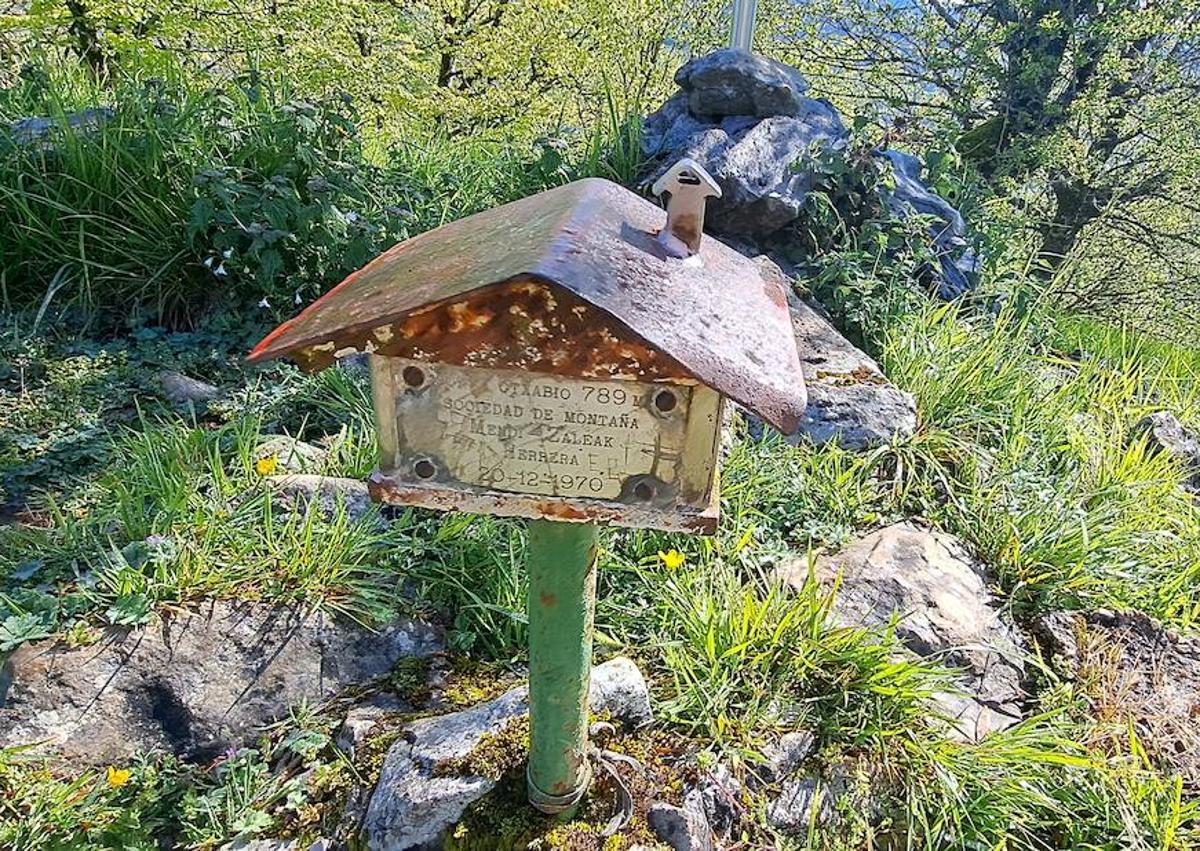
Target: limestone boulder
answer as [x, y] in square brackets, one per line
[946, 614]
[184, 390]
[787, 754]
[717, 797]
[1134, 670]
[750, 157]
[330, 494]
[291, 455]
[681, 828]
[746, 119]
[803, 800]
[737, 82]
[423, 789]
[40, 130]
[1167, 434]
[960, 266]
[194, 684]
[850, 401]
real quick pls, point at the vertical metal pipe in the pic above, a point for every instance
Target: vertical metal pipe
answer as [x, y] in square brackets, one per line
[562, 607]
[742, 34]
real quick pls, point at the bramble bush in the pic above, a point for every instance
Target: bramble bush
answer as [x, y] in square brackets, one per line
[859, 257]
[180, 196]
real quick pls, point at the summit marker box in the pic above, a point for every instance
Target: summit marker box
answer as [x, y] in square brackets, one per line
[556, 358]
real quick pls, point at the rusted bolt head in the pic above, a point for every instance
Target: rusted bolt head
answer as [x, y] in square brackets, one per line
[413, 376]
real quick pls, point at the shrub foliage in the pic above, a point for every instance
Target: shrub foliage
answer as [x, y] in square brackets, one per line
[174, 197]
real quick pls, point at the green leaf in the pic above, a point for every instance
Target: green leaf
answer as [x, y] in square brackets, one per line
[129, 610]
[15, 630]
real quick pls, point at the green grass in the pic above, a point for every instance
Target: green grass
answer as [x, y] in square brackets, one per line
[290, 780]
[1120, 344]
[197, 192]
[1027, 449]
[1025, 453]
[1040, 785]
[1056, 489]
[188, 192]
[183, 515]
[750, 657]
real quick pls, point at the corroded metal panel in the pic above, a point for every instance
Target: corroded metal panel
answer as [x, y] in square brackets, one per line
[389, 489]
[712, 313]
[536, 444]
[542, 434]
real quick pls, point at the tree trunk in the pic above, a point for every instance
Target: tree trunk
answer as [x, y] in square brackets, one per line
[87, 39]
[1076, 206]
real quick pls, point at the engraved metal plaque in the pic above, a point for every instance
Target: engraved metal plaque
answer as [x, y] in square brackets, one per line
[463, 430]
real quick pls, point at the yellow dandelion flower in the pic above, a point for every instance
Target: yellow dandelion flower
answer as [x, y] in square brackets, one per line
[266, 466]
[118, 777]
[672, 559]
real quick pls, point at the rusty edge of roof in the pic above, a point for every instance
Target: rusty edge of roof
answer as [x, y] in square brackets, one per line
[779, 399]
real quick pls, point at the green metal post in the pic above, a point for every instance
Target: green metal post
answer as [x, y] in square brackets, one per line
[562, 607]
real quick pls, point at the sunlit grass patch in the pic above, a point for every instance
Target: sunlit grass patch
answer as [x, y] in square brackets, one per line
[1118, 345]
[469, 571]
[800, 495]
[1031, 456]
[749, 656]
[292, 779]
[186, 517]
[41, 809]
[1039, 786]
[1062, 496]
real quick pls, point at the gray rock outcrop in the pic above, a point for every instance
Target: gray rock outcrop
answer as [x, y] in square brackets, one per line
[746, 120]
[291, 455]
[194, 685]
[946, 615]
[792, 811]
[38, 129]
[786, 755]
[959, 263]
[299, 490]
[750, 157]
[1166, 433]
[681, 828]
[850, 401]
[1137, 671]
[735, 82]
[717, 798]
[362, 720]
[823, 798]
[184, 390]
[417, 798]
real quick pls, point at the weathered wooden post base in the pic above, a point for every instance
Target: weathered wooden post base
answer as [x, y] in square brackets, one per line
[562, 607]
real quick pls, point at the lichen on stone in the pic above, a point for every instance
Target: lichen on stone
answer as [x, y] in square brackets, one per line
[409, 680]
[495, 755]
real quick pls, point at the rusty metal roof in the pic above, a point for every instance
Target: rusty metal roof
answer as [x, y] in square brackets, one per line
[713, 313]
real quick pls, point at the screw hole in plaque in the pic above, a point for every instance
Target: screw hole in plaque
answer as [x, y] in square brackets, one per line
[425, 469]
[413, 376]
[665, 401]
